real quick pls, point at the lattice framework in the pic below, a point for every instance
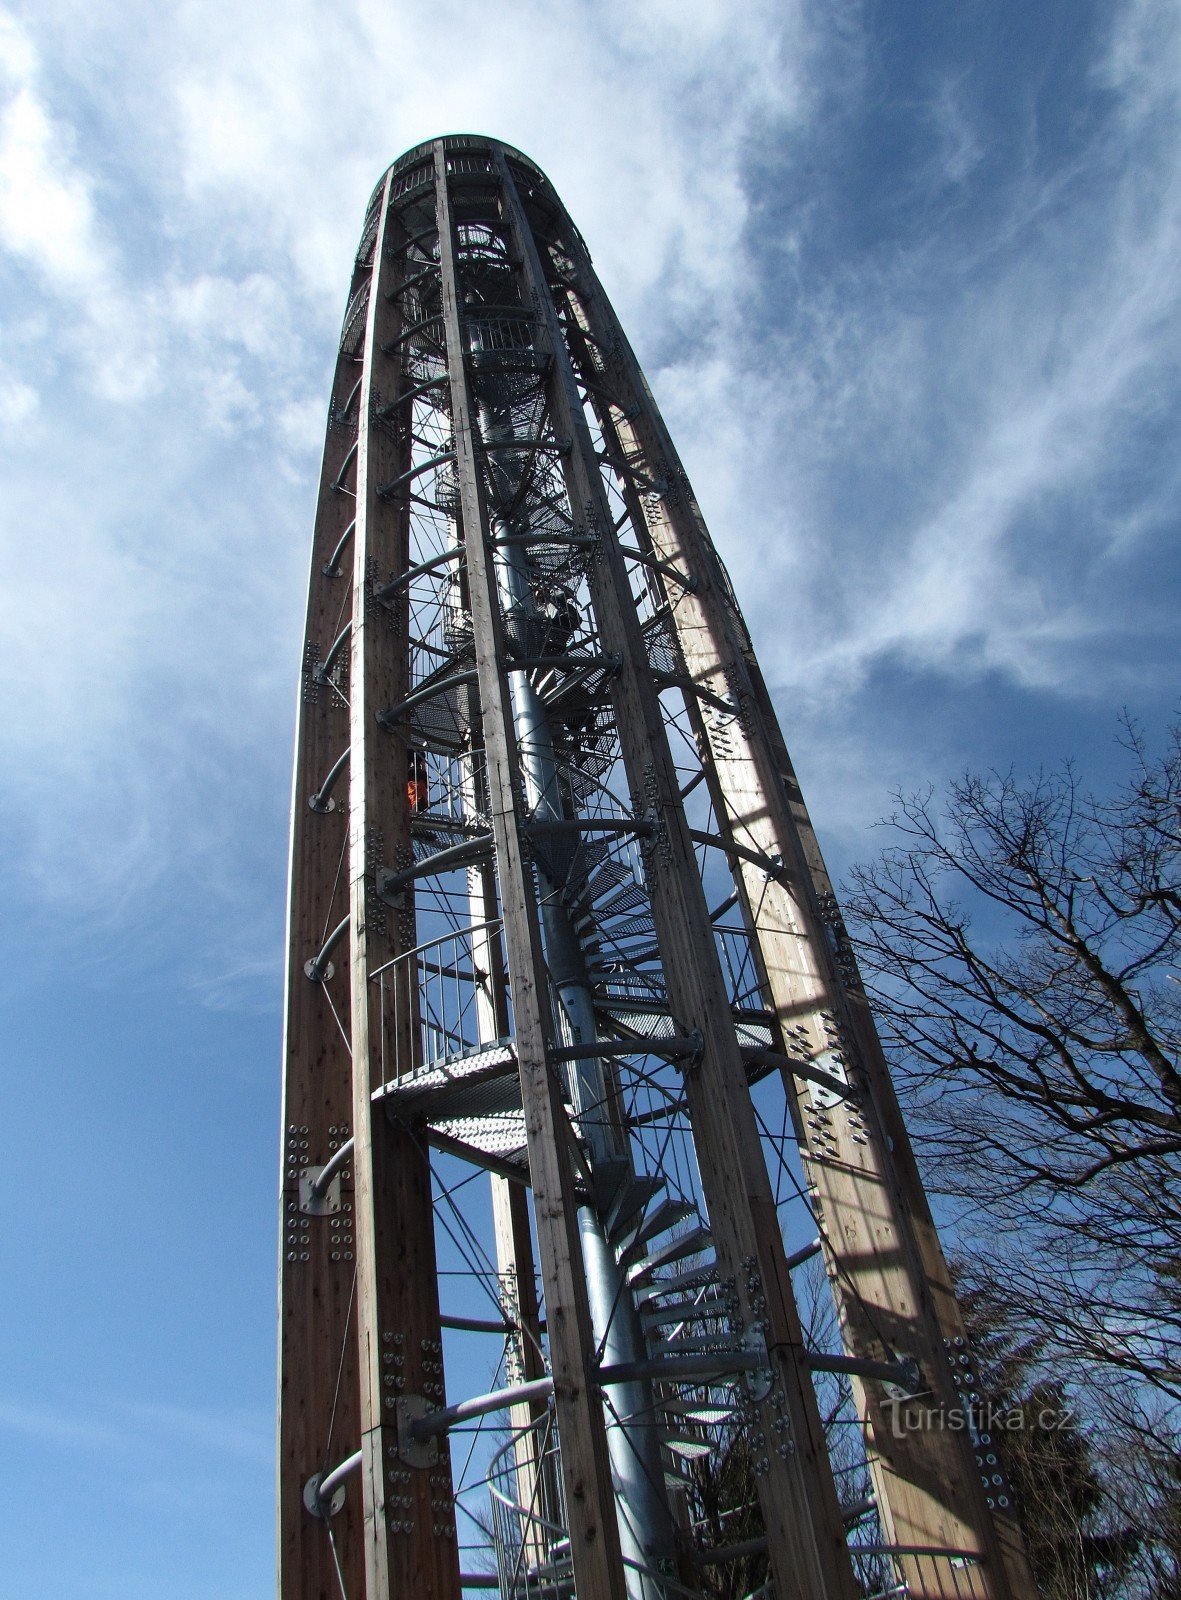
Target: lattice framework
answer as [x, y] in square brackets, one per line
[560, 932]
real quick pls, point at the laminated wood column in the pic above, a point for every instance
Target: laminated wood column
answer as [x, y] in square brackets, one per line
[317, 1413]
[594, 1533]
[409, 1537]
[796, 1491]
[883, 1257]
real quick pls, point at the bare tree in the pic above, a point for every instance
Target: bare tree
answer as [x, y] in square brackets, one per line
[1021, 945]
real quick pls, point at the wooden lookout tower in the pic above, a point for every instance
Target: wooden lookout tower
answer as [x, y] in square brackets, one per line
[606, 1270]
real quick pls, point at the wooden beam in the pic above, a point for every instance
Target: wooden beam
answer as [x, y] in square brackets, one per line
[524, 1356]
[796, 1490]
[409, 1535]
[317, 1419]
[883, 1256]
[594, 1533]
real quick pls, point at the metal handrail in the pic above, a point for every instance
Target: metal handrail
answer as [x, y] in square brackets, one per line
[429, 944]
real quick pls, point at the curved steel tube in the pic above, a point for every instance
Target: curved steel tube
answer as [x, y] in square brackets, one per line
[339, 1158]
[338, 644]
[411, 473]
[442, 1421]
[338, 481]
[334, 1480]
[316, 967]
[456, 855]
[331, 568]
[319, 800]
[800, 1069]
[427, 691]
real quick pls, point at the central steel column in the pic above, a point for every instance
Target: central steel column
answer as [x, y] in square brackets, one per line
[646, 1528]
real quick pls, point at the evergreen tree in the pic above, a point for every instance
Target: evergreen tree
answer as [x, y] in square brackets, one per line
[1080, 1545]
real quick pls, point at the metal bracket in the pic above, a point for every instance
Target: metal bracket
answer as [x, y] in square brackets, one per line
[318, 1205]
[317, 1507]
[832, 1064]
[415, 1452]
[690, 1061]
[319, 969]
[391, 887]
[910, 1383]
[760, 1380]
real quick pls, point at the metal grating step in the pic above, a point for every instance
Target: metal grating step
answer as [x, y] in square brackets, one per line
[688, 1447]
[686, 1244]
[629, 897]
[682, 1311]
[701, 1344]
[497, 1143]
[698, 1411]
[610, 1175]
[707, 1272]
[666, 1215]
[629, 1203]
[482, 1084]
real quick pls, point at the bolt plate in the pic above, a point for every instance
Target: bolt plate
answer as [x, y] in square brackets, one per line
[315, 1205]
[415, 1452]
[311, 1498]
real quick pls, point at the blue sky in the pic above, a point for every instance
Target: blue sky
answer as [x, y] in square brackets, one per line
[904, 278]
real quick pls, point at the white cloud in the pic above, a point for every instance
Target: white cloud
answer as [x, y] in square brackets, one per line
[48, 221]
[204, 272]
[870, 441]
[18, 400]
[923, 461]
[958, 149]
[46, 214]
[635, 114]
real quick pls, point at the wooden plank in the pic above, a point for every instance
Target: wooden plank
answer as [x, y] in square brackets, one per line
[883, 1255]
[535, 1485]
[409, 1534]
[317, 1415]
[796, 1490]
[594, 1533]
[510, 1206]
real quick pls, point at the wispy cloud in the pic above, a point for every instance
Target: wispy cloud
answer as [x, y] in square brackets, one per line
[931, 446]
[139, 1430]
[961, 462]
[175, 307]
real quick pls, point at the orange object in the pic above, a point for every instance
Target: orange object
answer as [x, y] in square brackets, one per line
[417, 792]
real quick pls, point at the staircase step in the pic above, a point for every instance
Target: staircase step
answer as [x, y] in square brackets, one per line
[690, 1449]
[686, 1244]
[549, 1586]
[666, 1215]
[549, 1571]
[479, 1084]
[630, 1201]
[610, 876]
[702, 1344]
[706, 1273]
[695, 1411]
[683, 1311]
[629, 898]
[634, 928]
[611, 1175]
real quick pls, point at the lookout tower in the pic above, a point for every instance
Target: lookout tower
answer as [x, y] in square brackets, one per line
[606, 1270]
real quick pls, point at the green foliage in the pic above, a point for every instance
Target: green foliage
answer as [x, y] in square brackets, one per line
[1079, 1546]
